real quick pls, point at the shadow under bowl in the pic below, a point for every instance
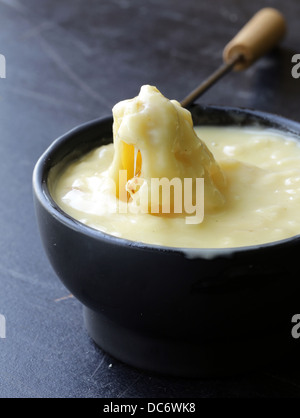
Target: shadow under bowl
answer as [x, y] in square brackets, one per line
[190, 313]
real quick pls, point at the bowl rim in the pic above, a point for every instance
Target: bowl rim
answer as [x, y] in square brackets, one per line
[43, 195]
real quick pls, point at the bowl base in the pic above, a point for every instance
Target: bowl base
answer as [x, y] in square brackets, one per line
[182, 358]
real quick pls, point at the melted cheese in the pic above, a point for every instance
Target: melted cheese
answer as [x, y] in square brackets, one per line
[154, 138]
[252, 195]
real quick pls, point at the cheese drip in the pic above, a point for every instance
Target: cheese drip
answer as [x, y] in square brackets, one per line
[153, 139]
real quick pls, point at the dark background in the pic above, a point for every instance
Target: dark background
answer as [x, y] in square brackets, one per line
[69, 62]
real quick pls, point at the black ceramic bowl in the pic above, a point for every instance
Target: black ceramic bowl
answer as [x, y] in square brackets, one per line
[168, 310]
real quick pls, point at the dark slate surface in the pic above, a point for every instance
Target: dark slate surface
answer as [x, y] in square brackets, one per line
[69, 62]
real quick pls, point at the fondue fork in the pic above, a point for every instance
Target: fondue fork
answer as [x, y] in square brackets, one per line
[262, 33]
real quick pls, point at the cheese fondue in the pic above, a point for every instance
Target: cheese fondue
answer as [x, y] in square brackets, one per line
[251, 179]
